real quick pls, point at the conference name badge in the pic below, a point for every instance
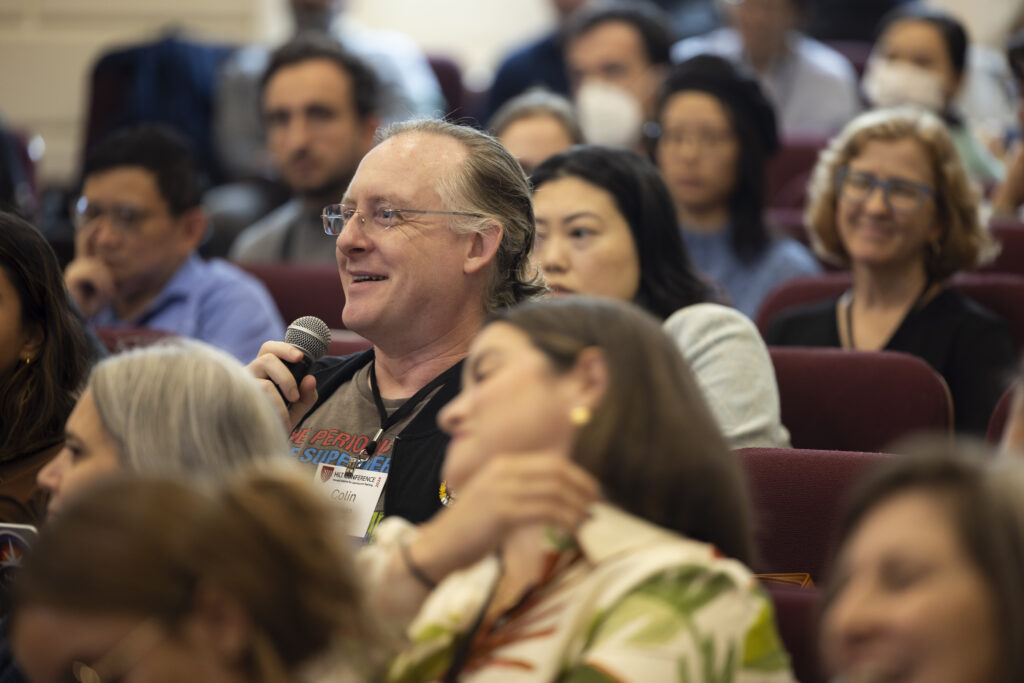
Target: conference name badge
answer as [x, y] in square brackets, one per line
[357, 494]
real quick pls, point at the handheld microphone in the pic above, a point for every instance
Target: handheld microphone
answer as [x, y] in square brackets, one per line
[308, 334]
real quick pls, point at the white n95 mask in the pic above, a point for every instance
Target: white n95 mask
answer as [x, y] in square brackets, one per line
[889, 83]
[608, 114]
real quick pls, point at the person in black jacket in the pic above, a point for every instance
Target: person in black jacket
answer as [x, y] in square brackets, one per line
[433, 233]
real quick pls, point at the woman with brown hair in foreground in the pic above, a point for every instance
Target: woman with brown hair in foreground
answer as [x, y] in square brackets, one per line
[593, 500]
[927, 582]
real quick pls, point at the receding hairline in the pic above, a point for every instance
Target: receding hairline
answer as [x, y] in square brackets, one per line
[415, 142]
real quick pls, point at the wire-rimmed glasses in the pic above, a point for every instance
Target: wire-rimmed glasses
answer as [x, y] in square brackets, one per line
[382, 216]
[124, 218]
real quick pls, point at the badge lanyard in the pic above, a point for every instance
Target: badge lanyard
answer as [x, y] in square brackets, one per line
[388, 421]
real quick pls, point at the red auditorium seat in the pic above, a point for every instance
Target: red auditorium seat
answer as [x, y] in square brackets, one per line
[796, 615]
[790, 169]
[344, 342]
[449, 77]
[789, 222]
[797, 497]
[997, 423]
[857, 400]
[1010, 233]
[118, 339]
[857, 51]
[303, 289]
[799, 291]
[1001, 293]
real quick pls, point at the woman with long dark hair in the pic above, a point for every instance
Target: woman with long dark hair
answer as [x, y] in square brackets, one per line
[45, 356]
[606, 226]
[717, 131]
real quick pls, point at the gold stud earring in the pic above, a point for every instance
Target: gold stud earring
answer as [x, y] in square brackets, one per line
[446, 495]
[580, 415]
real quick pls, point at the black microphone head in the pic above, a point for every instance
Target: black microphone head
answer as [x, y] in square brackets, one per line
[309, 334]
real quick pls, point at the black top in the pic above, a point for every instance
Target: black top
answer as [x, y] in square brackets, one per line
[971, 347]
[415, 473]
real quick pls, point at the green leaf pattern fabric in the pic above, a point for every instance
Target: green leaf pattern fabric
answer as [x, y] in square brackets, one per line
[642, 605]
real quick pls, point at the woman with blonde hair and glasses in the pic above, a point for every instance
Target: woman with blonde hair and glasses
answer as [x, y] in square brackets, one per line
[889, 199]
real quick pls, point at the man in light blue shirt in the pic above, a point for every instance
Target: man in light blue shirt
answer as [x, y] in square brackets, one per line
[813, 87]
[138, 225]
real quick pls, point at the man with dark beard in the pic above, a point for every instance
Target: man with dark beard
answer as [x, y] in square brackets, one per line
[320, 111]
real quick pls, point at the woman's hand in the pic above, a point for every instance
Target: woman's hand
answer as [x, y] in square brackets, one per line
[508, 492]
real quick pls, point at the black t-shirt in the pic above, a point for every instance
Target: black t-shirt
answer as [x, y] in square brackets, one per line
[413, 458]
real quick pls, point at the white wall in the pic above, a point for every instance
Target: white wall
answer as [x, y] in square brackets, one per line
[48, 47]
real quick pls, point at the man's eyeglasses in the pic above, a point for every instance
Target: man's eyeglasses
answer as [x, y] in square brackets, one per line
[901, 196]
[123, 217]
[337, 216]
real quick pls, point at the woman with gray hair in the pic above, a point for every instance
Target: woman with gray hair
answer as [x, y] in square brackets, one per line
[178, 408]
[536, 125]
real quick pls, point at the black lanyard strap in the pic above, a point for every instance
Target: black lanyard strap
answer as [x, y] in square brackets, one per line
[388, 421]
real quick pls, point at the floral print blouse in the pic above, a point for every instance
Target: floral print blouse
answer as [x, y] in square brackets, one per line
[624, 600]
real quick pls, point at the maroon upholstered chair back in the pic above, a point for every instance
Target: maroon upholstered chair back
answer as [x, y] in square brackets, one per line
[118, 339]
[997, 423]
[789, 222]
[449, 77]
[857, 51]
[800, 291]
[857, 400]
[797, 497]
[1010, 233]
[790, 169]
[796, 615]
[303, 289]
[344, 342]
[1001, 293]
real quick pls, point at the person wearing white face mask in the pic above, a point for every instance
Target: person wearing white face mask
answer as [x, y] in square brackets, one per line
[919, 60]
[617, 55]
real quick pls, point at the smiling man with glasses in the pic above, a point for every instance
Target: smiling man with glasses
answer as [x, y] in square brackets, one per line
[137, 227]
[432, 234]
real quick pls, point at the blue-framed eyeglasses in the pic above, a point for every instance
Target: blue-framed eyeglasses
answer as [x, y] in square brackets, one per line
[382, 216]
[901, 196]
